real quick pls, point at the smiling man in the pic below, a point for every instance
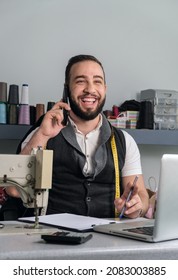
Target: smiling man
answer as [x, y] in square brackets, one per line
[88, 90]
[84, 171]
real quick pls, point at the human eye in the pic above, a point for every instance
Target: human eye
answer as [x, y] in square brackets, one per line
[99, 82]
[80, 81]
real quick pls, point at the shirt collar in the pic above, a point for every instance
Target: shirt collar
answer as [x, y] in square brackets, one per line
[96, 129]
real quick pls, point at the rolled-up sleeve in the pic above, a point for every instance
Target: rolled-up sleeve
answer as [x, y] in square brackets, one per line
[132, 164]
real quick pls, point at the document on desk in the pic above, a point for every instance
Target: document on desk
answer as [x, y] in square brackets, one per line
[71, 221]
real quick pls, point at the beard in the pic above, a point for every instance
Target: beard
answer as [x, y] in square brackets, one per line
[86, 115]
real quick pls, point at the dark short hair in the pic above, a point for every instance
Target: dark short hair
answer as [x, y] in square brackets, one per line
[79, 58]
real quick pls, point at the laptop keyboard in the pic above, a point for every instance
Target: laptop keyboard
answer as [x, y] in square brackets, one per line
[142, 230]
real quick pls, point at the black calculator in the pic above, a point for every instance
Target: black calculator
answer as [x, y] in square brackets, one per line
[66, 237]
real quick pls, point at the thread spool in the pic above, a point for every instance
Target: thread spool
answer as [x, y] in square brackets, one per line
[25, 94]
[32, 114]
[13, 114]
[24, 109]
[13, 95]
[3, 103]
[3, 113]
[13, 104]
[24, 114]
[3, 92]
[40, 110]
[50, 105]
[115, 110]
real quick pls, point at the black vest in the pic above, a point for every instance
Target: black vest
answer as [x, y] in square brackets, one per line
[74, 192]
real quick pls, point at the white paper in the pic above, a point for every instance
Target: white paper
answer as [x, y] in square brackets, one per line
[72, 221]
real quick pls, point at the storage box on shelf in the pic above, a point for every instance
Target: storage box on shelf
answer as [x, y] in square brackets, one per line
[165, 107]
[126, 119]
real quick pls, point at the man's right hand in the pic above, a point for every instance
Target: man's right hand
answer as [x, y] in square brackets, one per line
[49, 128]
[52, 122]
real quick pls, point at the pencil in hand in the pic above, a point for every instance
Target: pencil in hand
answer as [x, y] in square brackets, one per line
[128, 198]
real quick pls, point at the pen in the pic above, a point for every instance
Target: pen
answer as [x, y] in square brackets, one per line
[128, 197]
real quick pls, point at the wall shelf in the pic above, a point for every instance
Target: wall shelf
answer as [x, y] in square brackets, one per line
[154, 137]
[13, 132]
[141, 136]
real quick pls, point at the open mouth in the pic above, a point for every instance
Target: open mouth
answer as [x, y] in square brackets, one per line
[89, 100]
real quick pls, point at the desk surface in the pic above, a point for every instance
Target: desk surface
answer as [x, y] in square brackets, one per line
[30, 246]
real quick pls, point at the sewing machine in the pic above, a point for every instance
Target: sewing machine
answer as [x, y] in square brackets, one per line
[31, 175]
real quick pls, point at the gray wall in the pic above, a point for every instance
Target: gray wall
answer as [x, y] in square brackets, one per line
[137, 41]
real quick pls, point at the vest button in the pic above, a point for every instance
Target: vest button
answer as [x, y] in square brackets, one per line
[88, 198]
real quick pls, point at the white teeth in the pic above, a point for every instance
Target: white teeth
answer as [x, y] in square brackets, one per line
[88, 99]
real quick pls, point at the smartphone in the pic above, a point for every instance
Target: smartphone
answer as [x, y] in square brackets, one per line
[65, 100]
[66, 237]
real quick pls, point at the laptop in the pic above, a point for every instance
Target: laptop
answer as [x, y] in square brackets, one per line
[165, 225]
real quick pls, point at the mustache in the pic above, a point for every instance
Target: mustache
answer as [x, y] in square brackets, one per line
[90, 95]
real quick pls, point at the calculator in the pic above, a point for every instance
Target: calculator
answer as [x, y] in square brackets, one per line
[66, 237]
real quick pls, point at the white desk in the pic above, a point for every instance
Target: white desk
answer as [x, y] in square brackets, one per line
[101, 246]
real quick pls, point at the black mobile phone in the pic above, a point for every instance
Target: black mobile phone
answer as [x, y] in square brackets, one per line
[65, 100]
[66, 237]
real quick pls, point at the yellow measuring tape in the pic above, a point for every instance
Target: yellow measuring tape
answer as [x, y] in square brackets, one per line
[116, 167]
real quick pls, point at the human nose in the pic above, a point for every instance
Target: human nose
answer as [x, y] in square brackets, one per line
[89, 87]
